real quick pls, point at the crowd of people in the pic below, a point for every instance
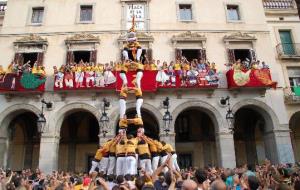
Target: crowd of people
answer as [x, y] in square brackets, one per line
[86, 74]
[265, 176]
[28, 67]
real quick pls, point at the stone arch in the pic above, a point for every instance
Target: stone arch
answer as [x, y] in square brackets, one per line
[272, 121]
[12, 111]
[146, 106]
[294, 127]
[6, 117]
[271, 124]
[69, 109]
[207, 108]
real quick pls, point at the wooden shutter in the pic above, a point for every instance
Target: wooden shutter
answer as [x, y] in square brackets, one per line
[178, 54]
[70, 57]
[19, 58]
[93, 56]
[149, 54]
[40, 58]
[253, 55]
[231, 57]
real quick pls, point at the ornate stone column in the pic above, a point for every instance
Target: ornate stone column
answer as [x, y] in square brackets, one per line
[225, 149]
[49, 147]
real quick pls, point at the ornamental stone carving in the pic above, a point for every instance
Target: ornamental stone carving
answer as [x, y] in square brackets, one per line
[239, 36]
[188, 37]
[82, 38]
[31, 43]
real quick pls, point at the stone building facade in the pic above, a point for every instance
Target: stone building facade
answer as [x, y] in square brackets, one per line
[199, 129]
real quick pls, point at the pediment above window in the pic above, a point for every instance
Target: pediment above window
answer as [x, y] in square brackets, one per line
[31, 43]
[82, 41]
[145, 39]
[239, 36]
[141, 36]
[188, 37]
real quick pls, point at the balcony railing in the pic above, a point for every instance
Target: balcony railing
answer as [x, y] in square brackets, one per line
[288, 50]
[279, 4]
[292, 95]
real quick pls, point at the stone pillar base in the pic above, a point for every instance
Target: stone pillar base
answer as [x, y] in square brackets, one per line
[49, 147]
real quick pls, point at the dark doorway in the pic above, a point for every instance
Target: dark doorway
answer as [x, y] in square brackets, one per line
[150, 124]
[195, 134]
[185, 161]
[24, 142]
[190, 54]
[79, 139]
[32, 57]
[82, 55]
[242, 54]
[249, 137]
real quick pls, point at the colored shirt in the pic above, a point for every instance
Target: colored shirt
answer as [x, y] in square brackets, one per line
[168, 148]
[143, 148]
[131, 145]
[99, 154]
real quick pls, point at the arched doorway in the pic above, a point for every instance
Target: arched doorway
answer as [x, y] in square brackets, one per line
[79, 140]
[195, 138]
[24, 142]
[150, 124]
[251, 140]
[294, 125]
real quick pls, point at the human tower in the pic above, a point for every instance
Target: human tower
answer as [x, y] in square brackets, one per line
[125, 153]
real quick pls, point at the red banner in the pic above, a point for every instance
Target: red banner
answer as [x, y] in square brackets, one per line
[22, 83]
[148, 81]
[250, 78]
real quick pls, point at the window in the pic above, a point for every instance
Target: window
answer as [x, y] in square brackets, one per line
[37, 15]
[233, 13]
[287, 42]
[294, 76]
[138, 10]
[185, 12]
[86, 13]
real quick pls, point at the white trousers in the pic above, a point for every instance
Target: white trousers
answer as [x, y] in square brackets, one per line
[162, 161]
[121, 166]
[138, 54]
[124, 78]
[146, 165]
[103, 165]
[88, 80]
[130, 165]
[139, 76]
[175, 164]
[155, 162]
[122, 104]
[125, 54]
[139, 103]
[69, 83]
[59, 83]
[94, 166]
[111, 165]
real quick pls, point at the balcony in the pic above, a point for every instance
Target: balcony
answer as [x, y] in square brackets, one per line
[279, 4]
[292, 95]
[280, 7]
[288, 50]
